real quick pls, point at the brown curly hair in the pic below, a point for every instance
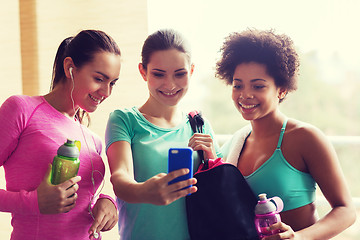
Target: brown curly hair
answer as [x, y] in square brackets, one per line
[276, 52]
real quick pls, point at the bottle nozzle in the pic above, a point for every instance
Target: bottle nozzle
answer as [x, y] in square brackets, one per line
[262, 197]
[70, 142]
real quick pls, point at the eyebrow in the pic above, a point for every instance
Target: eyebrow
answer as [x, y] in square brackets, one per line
[159, 70]
[252, 80]
[104, 75]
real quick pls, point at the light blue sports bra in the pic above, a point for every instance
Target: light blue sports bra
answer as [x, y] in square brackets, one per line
[276, 177]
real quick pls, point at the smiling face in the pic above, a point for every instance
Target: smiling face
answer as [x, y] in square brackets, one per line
[93, 82]
[254, 92]
[167, 75]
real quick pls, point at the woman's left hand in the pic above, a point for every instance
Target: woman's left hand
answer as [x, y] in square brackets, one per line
[286, 232]
[201, 141]
[106, 216]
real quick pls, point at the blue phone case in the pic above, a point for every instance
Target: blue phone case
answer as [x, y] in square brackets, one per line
[180, 158]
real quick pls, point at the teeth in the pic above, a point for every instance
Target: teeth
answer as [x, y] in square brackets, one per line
[98, 100]
[169, 94]
[247, 106]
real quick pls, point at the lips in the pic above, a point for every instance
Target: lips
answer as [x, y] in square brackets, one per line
[246, 108]
[95, 99]
[170, 94]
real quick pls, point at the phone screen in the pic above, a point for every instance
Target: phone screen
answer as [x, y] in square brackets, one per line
[180, 158]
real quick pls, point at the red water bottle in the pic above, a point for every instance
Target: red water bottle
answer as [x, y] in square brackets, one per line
[266, 214]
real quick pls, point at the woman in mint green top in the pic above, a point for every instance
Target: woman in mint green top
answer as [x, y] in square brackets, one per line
[138, 140]
[277, 155]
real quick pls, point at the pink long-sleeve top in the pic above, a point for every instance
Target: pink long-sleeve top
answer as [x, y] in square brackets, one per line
[31, 132]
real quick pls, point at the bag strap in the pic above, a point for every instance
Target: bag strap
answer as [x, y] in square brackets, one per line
[197, 123]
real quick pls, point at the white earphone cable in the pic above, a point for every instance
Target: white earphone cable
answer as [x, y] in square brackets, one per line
[95, 193]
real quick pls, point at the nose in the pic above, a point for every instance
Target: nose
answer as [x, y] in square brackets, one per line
[105, 90]
[246, 94]
[169, 83]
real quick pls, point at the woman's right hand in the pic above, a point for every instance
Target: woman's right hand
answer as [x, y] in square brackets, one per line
[53, 199]
[156, 190]
[204, 142]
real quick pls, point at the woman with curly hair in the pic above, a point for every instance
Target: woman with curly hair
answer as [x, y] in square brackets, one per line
[277, 155]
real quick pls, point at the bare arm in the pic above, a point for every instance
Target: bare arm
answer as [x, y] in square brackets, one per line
[155, 190]
[324, 166]
[322, 163]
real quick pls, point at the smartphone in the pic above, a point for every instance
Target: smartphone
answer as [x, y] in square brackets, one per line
[180, 158]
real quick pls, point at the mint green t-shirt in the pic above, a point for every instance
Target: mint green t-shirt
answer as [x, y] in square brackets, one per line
[150, 145]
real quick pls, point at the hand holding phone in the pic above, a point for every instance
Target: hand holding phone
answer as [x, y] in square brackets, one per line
[179, 158]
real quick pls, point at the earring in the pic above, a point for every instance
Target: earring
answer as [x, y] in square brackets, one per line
[282, 95]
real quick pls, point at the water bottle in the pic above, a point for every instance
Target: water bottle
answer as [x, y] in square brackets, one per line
[66, 163]
[266, 214]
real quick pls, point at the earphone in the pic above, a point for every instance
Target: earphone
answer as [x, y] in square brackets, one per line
[72, 89]
[71, 75]
[95, 234]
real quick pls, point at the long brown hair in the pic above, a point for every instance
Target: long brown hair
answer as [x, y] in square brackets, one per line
[81, 49]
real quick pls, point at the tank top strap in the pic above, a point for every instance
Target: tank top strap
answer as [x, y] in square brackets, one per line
[281, 134]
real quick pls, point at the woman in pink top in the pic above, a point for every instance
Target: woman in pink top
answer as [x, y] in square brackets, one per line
[85, 70]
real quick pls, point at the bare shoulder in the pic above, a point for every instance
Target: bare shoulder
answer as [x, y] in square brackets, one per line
[306, 139]
[303, 133]
[309, 142]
